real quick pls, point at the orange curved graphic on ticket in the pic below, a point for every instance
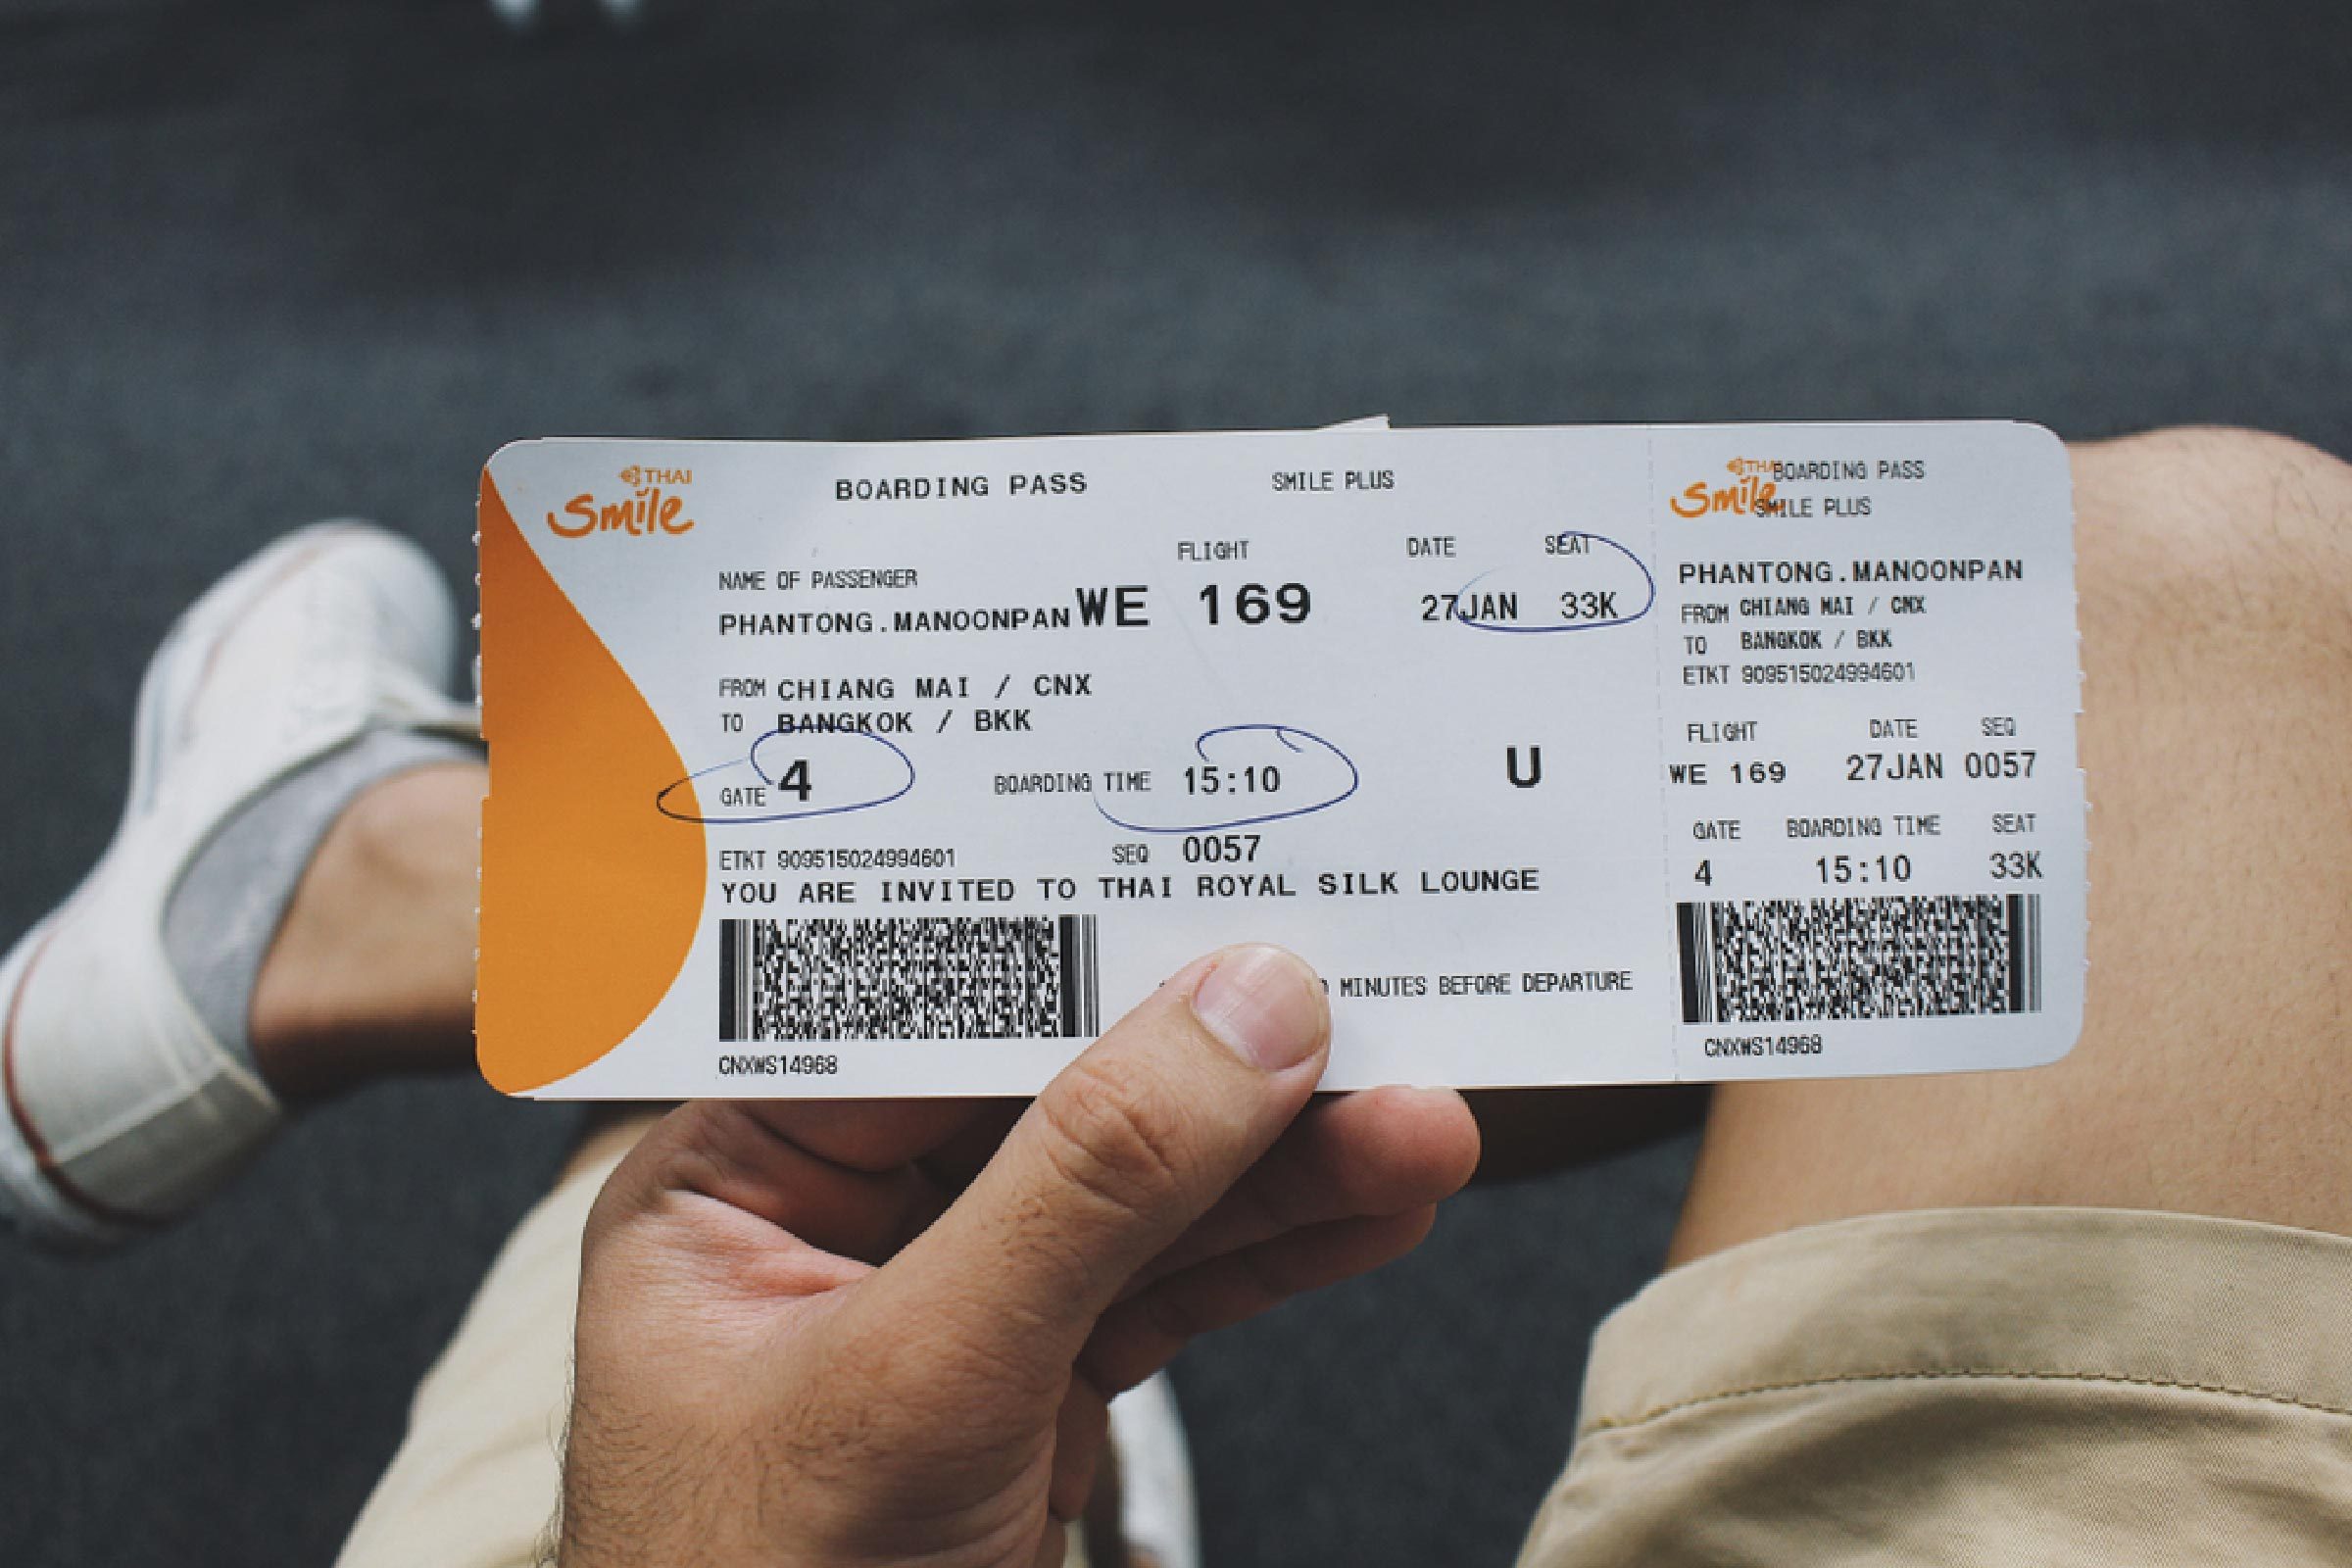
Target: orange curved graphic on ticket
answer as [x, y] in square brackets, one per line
[590, 897]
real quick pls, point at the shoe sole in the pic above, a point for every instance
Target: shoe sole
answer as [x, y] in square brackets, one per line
[32, 1187]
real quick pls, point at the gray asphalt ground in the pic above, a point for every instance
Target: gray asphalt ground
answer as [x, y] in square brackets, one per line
[265, 261]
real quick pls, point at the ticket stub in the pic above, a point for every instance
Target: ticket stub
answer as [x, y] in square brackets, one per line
[1566, 755]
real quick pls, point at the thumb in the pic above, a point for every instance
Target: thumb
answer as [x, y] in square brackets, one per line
[1123, 1150]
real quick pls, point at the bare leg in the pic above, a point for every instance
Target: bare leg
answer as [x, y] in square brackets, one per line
[2214, 571]
[372, 971]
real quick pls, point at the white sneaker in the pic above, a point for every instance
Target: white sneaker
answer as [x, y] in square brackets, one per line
[1156, 1475]
[122, 1109]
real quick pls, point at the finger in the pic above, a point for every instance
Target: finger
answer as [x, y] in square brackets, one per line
[1377, 1151]
[733, 1156]
[1123, 1150]
[1140, 1336]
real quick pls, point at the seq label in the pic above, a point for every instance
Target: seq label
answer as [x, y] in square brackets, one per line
[1566, 755]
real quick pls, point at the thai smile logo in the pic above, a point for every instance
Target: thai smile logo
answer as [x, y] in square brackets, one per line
[650, 508]
[1749, 494]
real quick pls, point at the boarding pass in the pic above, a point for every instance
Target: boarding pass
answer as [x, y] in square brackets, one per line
[1565, 754]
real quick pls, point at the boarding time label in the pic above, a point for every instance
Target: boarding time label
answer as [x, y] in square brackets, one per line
[1566, 755]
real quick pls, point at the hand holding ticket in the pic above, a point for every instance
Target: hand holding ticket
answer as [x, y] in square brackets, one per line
[1565, 754]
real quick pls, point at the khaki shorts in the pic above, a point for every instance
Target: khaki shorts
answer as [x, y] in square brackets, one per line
[1991, 1385]
[1974, 1386]
[476, 1481]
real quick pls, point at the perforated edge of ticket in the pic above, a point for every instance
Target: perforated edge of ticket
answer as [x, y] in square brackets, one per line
[1566, 755]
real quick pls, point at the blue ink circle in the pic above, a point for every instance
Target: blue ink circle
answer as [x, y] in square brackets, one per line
[1282, 733]
[751, 759]
[1649, 581]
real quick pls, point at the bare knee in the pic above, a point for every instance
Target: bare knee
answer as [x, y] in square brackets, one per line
[2214, 571]
[2217, 542]
[2215, 577]
[2193, 483]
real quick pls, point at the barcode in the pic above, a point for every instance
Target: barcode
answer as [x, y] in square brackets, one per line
[928, 978]
[1794, 960]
